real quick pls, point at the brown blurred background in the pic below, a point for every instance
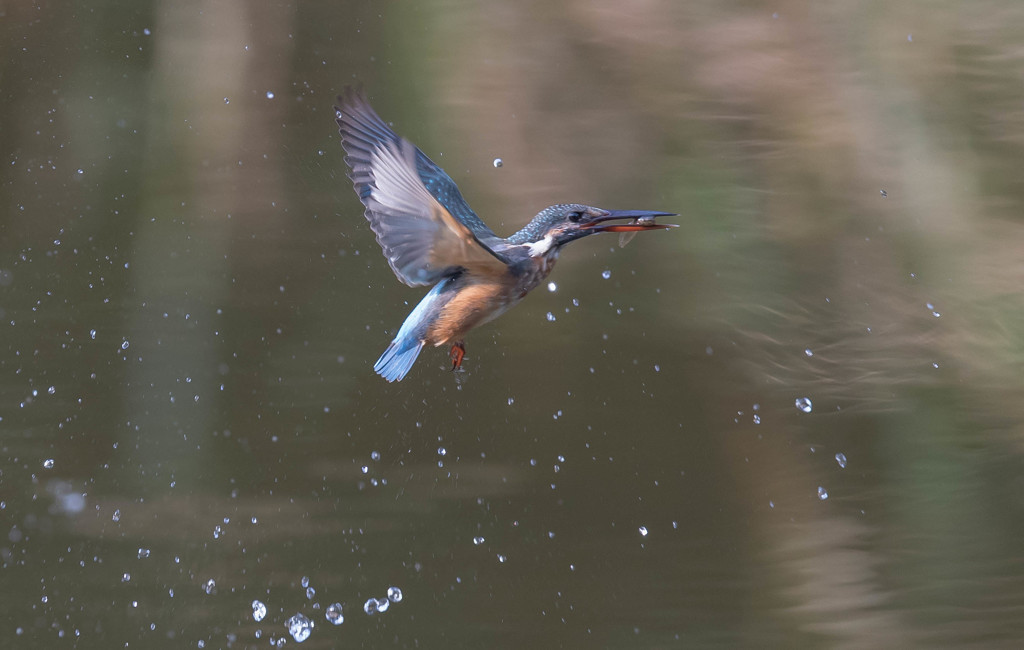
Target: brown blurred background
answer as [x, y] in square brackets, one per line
[191, 304]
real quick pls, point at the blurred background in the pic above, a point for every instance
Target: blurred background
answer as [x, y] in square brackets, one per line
[795, 421]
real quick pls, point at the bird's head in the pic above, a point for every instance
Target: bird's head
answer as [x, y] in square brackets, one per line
[560, 224]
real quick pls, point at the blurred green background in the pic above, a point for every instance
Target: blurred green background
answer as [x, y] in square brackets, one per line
[191, 304]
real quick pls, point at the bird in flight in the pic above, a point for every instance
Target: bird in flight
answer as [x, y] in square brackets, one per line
[430, 236]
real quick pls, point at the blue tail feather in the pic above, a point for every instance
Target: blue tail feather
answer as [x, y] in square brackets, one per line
[397, 360]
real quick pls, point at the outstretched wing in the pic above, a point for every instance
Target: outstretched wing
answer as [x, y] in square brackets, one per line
[421, 221]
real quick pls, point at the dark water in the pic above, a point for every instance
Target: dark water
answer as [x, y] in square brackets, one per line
[191, 304]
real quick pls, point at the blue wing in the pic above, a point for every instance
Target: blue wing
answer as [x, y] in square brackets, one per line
[424, 226]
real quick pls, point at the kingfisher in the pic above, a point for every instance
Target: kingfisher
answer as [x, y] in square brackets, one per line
[430, 236]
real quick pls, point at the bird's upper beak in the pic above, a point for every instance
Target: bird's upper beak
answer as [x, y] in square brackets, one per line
[639, 220]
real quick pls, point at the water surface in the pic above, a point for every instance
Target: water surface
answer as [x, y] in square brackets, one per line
[794, 421]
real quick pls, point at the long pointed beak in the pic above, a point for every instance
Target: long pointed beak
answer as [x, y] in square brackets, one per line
[641, 220]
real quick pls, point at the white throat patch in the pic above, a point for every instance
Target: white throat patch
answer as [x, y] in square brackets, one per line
[540, 248]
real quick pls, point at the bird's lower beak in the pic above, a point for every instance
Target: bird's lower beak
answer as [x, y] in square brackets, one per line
[639, 220]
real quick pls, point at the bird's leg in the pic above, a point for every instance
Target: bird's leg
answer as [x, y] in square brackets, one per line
[457, 352]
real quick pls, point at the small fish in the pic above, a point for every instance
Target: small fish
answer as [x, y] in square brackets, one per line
[626, 237]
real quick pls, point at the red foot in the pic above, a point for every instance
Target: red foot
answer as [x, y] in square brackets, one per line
[457, 353]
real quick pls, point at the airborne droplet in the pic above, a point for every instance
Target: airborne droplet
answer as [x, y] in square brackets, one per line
[259, 610]
[334, 614]
[300, 627]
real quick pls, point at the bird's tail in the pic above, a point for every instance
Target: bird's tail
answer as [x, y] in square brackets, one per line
[396, 361]
[401, 354]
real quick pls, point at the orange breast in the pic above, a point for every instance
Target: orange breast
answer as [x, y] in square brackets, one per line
[472, 305]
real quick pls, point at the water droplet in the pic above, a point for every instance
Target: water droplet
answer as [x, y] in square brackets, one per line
[259, 610]
[126, 577]
[334, 615]
[502, 558]
[48, 463]
[606, 274]
[757, 419]
[822, 493]
[210, 587]
[304, 582]
[116, 516]
[374, 455]
[551, 317]
[511, 401]
[804, 404]
[394, 594]
[441, 451]
[124, 344]
[552, 287]
[498, 162]
[910, 38]
[478, 540]
[808, 352]
[841, 459]
[227, 101]
[370, 606]
[300, 627]
[310, 593]
[270, 95]
[92, 334]
[143, 553]
[217, 532]
[643, 531]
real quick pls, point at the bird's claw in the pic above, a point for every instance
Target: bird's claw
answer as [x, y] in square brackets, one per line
[457, 353]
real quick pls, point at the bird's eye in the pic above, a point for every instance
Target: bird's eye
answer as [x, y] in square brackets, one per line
[575, 216]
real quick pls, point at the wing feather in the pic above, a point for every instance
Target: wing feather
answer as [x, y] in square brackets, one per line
[421, 238]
